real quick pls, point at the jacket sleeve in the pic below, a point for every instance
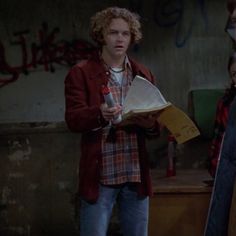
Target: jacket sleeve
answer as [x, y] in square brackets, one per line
[81, 114]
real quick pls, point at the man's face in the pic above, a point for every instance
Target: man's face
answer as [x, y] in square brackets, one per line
[117, 38]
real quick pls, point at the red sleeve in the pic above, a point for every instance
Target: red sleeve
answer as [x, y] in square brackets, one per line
[80, 116]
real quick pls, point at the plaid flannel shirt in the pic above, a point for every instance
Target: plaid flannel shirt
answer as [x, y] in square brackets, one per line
[120, 157]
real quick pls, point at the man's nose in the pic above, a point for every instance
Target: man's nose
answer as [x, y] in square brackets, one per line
[120, 37]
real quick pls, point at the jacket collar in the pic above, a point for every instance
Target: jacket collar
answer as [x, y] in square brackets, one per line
[96, 68]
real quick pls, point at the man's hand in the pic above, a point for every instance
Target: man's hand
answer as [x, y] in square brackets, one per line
[110, 113]
[145, 121]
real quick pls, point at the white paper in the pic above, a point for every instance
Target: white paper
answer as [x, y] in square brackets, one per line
[142, 94]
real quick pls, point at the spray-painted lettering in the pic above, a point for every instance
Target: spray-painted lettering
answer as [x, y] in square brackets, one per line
[46, 52]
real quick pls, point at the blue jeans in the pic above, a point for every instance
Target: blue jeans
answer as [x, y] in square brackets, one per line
[133, 212]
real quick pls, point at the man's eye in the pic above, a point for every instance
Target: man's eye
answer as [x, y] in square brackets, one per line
[113, 32]
[126, 33]
[233, 74]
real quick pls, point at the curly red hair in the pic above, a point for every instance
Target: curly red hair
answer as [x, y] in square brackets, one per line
[101, 20]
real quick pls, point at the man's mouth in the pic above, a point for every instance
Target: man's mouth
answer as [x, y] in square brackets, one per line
[119, 47]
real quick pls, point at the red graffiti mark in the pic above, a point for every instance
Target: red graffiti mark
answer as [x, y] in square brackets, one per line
[46, 53]
[5, 69]
[62, 52]
[46, 47]
[23, 45]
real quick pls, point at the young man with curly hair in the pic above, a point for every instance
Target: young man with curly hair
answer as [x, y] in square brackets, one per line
[114, 164]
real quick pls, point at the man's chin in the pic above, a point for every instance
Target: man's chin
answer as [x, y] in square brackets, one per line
[120, 53]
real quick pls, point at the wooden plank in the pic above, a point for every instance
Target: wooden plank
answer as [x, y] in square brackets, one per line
[185, 181]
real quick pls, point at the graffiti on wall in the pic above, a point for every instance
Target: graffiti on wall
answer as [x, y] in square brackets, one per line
[47, 52]
[170, 13]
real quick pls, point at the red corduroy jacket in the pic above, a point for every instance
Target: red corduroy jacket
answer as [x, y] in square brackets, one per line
[83, 98]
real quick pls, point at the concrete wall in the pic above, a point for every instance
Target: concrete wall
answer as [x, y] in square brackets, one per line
[38, 181]
[185, 49]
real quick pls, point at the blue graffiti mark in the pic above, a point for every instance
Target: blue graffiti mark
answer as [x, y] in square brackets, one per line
[169, 13]
[201, 4]
[178, 42]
